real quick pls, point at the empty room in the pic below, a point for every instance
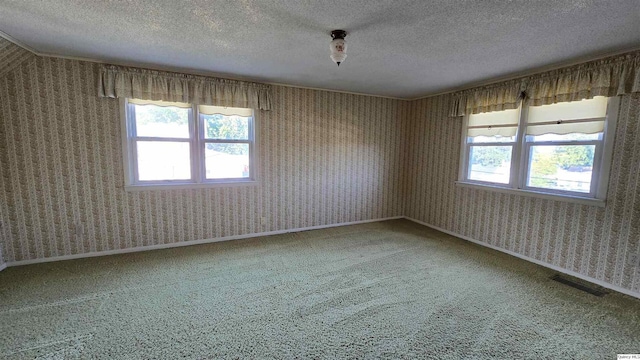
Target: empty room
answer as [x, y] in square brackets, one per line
[262, 179]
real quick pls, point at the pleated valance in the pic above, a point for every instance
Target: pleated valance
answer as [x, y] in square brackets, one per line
[119, 82]
[503, 96]
[617, 75]
[607, 77]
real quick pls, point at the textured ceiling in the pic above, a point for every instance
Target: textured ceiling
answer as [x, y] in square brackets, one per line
[396, 48]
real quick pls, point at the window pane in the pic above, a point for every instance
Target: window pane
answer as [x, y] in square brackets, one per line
[163, 160]
[162, 121]
[565, 168]
[226, 161]
[490, 163]
[226, 127]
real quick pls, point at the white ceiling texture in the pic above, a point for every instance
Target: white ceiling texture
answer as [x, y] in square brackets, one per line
[404, 49]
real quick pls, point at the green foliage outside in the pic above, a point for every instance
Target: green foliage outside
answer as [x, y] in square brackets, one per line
[492, 156]
[163, 115]
[569, 156]
[542, 166]
[230, 128]
[565, 157]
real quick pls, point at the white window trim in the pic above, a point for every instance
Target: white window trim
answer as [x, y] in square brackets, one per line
[517, 183]
[197, 167]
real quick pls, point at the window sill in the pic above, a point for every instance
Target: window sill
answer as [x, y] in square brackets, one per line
[535, 194]
[154, 187]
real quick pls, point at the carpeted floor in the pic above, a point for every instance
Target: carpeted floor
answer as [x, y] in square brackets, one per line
[382, 290]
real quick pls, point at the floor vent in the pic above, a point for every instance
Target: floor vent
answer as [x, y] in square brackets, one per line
[574, 284]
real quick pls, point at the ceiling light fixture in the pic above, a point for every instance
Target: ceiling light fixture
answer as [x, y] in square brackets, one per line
[338, 46]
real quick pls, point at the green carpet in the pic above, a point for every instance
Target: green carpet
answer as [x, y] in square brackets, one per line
[382, 290]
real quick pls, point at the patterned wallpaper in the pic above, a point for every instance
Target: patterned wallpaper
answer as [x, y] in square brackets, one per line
[12, 56]
[324, 158]
[592, 241]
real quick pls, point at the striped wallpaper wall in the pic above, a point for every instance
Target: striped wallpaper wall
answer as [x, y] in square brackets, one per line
[591, 241]
[12, 56]
[324, 158]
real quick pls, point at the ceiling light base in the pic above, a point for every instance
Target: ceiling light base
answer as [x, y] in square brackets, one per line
[338, 34]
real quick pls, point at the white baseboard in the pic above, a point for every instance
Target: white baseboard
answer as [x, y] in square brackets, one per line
[3, 266]
[187, 243]
[535, 261]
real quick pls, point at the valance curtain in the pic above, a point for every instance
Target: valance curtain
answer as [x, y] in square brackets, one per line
[608, 77]
[612, 76]
[118, 82]
[503, 96]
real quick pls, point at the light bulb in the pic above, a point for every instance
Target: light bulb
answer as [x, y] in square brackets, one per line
[338, 49]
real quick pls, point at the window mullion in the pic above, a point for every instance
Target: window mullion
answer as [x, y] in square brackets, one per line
[595, 169]
[252, 144]
[607, 148]
[131, 123]
[517, 160]
[196, 161]
[133, 144]
[467, 168]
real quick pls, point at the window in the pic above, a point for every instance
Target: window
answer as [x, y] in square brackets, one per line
[187, 145]
[562, 149]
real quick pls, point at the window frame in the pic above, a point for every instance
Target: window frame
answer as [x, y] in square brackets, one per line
[197, 144]
[521, 157]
